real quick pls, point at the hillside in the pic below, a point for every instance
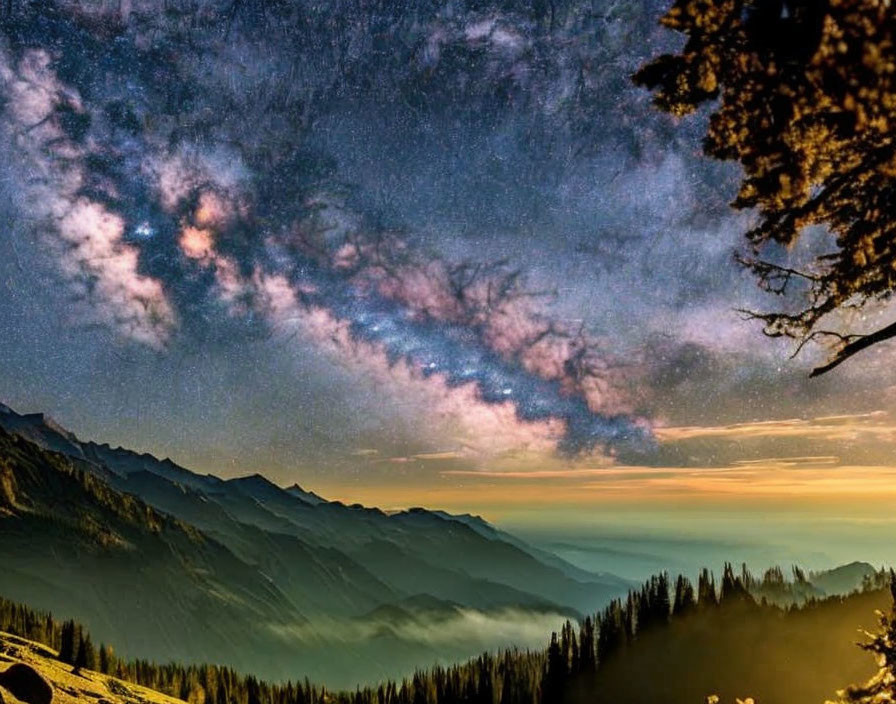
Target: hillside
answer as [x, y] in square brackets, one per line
[67, 687]
[741, 649]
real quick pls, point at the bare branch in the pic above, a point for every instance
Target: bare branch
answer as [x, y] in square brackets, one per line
[858, 344]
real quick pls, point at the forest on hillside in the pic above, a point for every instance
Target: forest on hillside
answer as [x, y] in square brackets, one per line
[690, 642]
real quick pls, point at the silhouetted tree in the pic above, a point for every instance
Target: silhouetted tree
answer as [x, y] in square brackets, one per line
[67, 643]
[684, 596]
[106, 659]
[554, 674]
[706, 589]
[81, 655]
[587, 652]
[732, 586]
[612, 628]
[805, 101]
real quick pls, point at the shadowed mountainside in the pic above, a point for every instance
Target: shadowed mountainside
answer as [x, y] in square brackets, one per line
[260, 576]
[446, 549]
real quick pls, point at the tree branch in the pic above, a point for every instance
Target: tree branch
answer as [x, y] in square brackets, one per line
[855, 347]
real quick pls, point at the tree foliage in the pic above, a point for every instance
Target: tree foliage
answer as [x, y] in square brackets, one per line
[804, 98]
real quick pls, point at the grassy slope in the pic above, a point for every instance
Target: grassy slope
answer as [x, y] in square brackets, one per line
[68, 688]
[742, 650]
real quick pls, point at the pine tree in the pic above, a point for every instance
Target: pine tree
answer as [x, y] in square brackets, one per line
[706, 589]
[629, 618]
[587, 653]
[89, 654]
[612, 629]
[106, 659]
[554, 674]
[81, 656]
[660, 608]
[67, 643]
[732, 586]
[684, 596]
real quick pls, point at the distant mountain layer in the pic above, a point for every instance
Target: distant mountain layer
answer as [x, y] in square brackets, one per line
[258, 576]
[843, 579]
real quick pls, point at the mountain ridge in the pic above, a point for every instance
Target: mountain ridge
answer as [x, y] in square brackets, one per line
[329, 568]
[281, 510]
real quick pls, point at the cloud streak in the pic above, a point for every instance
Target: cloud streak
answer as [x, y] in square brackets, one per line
[840, 427]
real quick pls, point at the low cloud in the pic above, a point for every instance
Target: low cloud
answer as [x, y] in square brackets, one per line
[471, 629]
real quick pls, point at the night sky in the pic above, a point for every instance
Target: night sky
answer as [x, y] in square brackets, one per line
[426, 252]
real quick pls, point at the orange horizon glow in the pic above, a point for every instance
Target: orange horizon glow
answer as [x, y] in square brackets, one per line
[449, 479]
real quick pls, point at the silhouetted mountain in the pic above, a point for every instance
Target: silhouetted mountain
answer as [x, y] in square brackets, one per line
[843, 579]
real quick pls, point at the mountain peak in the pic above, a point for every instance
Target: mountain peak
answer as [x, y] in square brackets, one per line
[48, 422]
[51, 423]
[40, 428]
[255, 478]
[254, 483]
[307, 496]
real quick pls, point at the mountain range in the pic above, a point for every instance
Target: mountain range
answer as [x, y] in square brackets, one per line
[171, 564]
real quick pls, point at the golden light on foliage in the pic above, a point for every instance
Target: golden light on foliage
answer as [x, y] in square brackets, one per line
[806, 103]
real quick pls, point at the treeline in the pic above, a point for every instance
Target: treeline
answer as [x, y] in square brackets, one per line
[508, 677]
[512, 677]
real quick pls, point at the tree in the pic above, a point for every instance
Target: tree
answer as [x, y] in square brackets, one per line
[587, 653]
[67, 643]
[881, 688]
[706, 589]
[804, 98]
[684, 596]
[733, 587]
[660, 608]
[81, 655]
[107, 659]
[86, 657]
[555, 672]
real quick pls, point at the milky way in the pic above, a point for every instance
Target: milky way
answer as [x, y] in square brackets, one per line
[145, 221]
[468, 203]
